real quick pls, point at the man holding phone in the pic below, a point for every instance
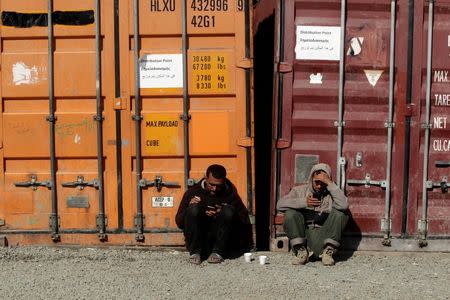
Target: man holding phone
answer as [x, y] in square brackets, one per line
[214, 220]
[315, 217]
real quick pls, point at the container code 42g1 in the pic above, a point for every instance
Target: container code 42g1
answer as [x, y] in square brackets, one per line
[205, 6]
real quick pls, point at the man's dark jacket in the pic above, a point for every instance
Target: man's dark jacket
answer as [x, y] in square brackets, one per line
[228, 196]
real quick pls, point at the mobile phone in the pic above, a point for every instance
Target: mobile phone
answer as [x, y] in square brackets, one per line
[317, 195]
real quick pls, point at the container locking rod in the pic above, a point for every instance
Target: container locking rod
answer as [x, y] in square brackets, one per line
[33, 183]
[158, 183]
[81, 184]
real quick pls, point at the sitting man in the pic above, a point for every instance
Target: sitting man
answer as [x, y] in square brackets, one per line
[315, 217]
[214, 220]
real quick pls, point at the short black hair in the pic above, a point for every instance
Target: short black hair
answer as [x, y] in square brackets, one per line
[217, 171]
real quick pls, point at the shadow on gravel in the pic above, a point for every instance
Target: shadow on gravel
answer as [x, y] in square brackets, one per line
[351, 240]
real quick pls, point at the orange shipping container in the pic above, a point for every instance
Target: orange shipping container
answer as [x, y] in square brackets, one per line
[85, 159]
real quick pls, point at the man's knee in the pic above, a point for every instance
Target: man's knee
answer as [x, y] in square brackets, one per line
[227, 213]
[193, 211]
[338, 218]
[292, 219]
[292, 215]
[339, 215]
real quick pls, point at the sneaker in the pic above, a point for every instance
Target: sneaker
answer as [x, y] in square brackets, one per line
[300, 255]
[327, 255]
[215, 258]
[195, 259]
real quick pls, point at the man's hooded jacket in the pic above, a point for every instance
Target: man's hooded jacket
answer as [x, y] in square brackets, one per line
[334, 197]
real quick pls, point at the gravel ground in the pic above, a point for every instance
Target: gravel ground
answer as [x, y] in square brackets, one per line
[129, 273]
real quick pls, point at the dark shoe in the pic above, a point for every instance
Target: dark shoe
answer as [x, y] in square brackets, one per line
[215, 258]
[300, 255]
[195, 259]
[327, 255]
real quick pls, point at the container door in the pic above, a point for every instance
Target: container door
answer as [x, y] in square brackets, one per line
[429, 209]
[81, 150]
[187, 92]
[345, 119]
[56, 117]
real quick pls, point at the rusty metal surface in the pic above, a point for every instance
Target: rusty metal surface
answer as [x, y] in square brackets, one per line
[314, 103]
[216, 89]
[310, 105]
[438, 209]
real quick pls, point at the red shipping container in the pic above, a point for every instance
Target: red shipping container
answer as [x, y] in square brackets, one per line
[354, 87]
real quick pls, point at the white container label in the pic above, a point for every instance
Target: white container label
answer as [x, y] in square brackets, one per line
[161, 71]
[318, 43]
[162, 201]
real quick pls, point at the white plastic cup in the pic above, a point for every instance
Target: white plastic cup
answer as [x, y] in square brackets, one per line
[263, 259]
[248, 257]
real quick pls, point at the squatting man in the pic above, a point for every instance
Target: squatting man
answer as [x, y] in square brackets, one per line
[315, 217]
[213, 218]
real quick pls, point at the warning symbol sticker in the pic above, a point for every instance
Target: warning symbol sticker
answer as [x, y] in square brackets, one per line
[373, 76]
[210, 72]
[162, 133]
[355, 46]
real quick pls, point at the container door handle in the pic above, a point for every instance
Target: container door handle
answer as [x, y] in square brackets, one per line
[442, 163]
[80, 183]
[33, 183]
[367, 182]
[443, 185]
[158, 183]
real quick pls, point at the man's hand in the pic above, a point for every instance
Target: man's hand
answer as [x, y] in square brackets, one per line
[195, 200]
[311, 201]
[213, 211]
[323, 177]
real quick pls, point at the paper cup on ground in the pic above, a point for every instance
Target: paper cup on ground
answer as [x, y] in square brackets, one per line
[263, 260]
[248, 257]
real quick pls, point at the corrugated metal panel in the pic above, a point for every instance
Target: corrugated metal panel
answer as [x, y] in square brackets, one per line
[344, 97]
[429, 198]
[361, 149]
[33, 193]
[144, 181]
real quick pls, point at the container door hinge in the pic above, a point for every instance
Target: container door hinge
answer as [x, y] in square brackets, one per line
[139, 220]
[139, 223]
[120, 103]
[422, 228]
[54, 222]
[245, 142]
[284, 67]
[246, 63]
[410, 110]
[283, 144]
[102, 223]
[386, 225]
